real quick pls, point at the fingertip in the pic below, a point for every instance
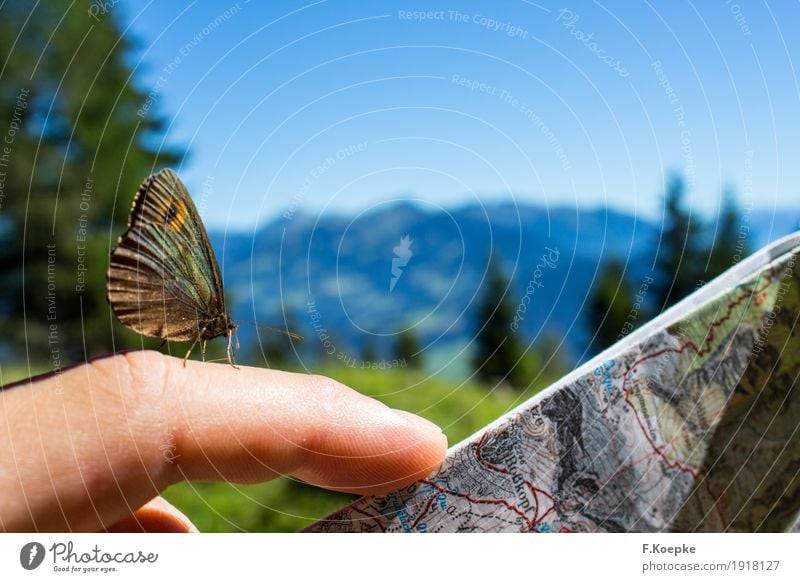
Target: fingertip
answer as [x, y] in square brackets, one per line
[399, 449]
[423, 453]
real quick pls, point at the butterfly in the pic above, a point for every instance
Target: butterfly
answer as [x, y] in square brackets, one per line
[163, 278]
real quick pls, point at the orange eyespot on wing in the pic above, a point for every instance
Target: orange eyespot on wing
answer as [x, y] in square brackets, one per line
[174, 214]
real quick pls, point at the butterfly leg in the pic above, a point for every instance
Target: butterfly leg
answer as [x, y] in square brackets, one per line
[189, 351]
[203, 350]
[230, 349]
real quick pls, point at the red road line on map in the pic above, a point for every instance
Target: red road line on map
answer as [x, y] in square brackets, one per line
[700, 351]
[540, 519]
[474, 500]
[536, 519]
[424, 512]
[672, 464]
[726, 317]
[549, 510]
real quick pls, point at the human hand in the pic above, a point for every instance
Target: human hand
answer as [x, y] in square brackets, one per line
[91, 448]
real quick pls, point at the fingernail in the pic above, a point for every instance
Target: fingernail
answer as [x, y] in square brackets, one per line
[417, 422]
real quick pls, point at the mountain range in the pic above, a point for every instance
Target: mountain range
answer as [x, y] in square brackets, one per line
[351, 284]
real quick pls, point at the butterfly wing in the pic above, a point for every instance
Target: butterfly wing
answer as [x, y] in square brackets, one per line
[163, 278]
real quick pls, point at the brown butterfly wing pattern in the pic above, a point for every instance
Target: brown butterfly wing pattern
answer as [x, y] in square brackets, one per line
[163, 277]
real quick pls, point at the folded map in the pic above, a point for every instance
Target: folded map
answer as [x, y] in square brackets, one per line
[690, 423]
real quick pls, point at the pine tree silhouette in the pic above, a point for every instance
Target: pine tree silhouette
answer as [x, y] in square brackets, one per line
[498, 354]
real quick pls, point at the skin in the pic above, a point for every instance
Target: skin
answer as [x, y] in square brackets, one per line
[92, 448]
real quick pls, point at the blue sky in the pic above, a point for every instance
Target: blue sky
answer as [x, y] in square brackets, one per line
[338, 106]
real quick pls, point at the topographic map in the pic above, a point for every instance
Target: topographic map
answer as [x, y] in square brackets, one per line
[688, 424]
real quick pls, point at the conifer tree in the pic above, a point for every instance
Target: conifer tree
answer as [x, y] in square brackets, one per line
[407, 348]
[729, 240]
[681, 259]
[80, 150]
[609, 306]
[498, 353]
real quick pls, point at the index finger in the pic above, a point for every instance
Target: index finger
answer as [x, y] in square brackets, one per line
[83, 449]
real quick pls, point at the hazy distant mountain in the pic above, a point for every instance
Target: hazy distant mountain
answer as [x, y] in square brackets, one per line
[346, 282]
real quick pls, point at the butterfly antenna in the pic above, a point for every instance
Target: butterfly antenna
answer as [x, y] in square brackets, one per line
[276, 330]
